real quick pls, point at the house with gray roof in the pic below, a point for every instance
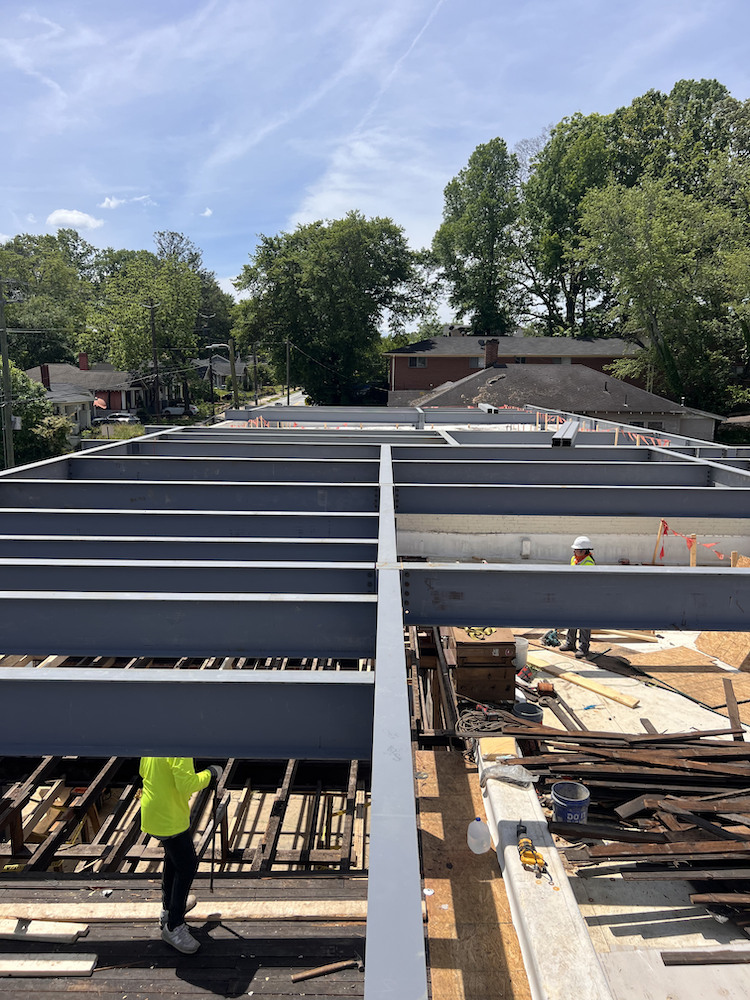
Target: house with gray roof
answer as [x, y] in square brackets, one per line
[429, 363]
[111, 389]
[574, 389]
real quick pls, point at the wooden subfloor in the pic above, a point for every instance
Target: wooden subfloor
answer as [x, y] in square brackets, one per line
[473, 950]
[234, 959]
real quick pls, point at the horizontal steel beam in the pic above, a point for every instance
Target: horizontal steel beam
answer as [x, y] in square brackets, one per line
[265, 714]
[580, 473]
[177, 577]
[191, 549]
[191, 448]
[228, 470]
[613, 501]
[594, 596]
[187, 523]
[198, 624]
[143, 495]
[502, 452]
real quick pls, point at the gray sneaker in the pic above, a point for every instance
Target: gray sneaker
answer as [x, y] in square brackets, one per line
[181, 939]
[567, 647]
[190, 905]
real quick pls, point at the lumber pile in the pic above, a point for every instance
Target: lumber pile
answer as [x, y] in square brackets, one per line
[663, 805]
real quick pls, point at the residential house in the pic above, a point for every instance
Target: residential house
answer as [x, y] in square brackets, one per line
[111, 389]
[574, 389]
[429, 363]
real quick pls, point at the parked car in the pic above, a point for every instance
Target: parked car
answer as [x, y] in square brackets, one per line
[117, 417]
[178, 410]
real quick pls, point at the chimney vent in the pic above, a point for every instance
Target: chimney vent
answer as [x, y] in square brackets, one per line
[44, 372]
[83, 362]
[490, 353]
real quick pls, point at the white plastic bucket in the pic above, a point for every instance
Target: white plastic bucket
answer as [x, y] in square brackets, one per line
[522, 651]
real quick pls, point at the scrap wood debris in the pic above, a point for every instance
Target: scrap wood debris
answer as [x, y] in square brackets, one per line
[663, 805]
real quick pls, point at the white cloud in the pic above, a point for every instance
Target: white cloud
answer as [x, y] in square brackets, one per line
[207, 213]
[144, 199]
[4, 238]
[73, 218]
[112, 202]
[31, 218]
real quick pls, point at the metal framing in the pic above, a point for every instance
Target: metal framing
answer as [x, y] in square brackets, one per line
[281, 541]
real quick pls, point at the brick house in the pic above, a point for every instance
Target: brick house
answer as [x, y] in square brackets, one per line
[429, 363]
[114, 390]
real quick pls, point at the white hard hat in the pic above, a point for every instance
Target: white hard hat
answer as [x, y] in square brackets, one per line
[582, 542]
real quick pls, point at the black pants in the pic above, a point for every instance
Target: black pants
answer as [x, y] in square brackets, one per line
[585, 637]
[180, 866]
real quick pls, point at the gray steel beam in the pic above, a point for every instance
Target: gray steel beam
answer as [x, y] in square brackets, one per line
[187, 523]
[142, 495]
[198, 624]
[580, 473]
[190, 448]
[730, 472]
[185, 577]
[614, 501]
[395, 932]
[500, 452]
[229, 470]
[265, 714]
[193, 549]
[616, 596]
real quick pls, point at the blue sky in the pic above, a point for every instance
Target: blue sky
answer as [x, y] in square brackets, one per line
[228, 118]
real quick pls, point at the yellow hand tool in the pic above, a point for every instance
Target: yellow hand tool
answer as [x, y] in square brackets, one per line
[531, 859]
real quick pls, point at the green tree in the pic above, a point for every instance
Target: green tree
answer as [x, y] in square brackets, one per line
[329, 287]
[666, 253]
[42, 434]
[476, 245]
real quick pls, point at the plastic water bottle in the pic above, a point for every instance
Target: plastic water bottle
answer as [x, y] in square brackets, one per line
[478, 836]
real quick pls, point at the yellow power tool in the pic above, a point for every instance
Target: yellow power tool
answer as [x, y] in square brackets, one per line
[531, 859]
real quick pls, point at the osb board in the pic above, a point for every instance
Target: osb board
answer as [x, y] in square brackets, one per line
[473, 947]
[707, 687]
[677, 657]
[729, 647]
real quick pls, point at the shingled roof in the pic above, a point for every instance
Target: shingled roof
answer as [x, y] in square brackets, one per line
[572, 388]
[98, 377]
[524, 347]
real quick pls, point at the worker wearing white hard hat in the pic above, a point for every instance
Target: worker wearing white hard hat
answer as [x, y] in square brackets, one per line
[581, 637]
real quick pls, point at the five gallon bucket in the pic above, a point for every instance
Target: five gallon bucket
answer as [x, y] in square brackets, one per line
[525, 710]
[522, 651]
[570, 802]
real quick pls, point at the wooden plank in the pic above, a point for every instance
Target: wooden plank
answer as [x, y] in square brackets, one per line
[696, 848]
[557, 669]
[47, 965]
[53, 661]
[704, 824]
[732, 709]
[605, 831]
[689, 875]
[41, 930]
[245, 910]
[262, 859]
[706, 956]
[727, 898]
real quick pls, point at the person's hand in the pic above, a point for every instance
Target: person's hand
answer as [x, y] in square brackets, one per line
[216, 773]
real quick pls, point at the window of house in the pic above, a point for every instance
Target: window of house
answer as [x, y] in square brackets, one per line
[476, 362]
[520, 361]
[656, 425]
[556, 361]
[417, 362]
[636, 423]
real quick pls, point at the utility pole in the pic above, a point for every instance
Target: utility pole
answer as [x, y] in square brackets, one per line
[157, 391]
[235, 394]
[255, 374]
[10, 460]
[287, 371]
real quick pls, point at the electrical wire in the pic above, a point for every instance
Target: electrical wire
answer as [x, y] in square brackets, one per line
[333, 370]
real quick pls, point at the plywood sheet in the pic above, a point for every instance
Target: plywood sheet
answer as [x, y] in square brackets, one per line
[729, 647]
[707, 686]
[678, 657]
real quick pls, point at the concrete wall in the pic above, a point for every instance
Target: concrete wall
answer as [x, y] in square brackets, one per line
[441, 537]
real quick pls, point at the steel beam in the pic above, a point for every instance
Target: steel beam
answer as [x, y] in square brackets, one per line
[197, 624]
[142, 495]
[191, 448]
[187, 523]
[185, 577]
[395, 933]
[614, 501]
[227, 470]
[265, 714]
[192, 549]
[597, 596]
[542, 473]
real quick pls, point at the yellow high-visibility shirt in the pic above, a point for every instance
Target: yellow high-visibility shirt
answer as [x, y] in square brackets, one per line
[168, 783]
[586, 561]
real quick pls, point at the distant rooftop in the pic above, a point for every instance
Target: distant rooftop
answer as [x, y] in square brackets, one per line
[527, 347]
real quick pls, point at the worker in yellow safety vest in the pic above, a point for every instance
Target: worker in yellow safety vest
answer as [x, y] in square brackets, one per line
[582, 549]
[168, 783]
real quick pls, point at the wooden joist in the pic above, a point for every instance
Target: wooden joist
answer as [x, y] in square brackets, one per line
[33, 966]
[124, 912]
[41, 930]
